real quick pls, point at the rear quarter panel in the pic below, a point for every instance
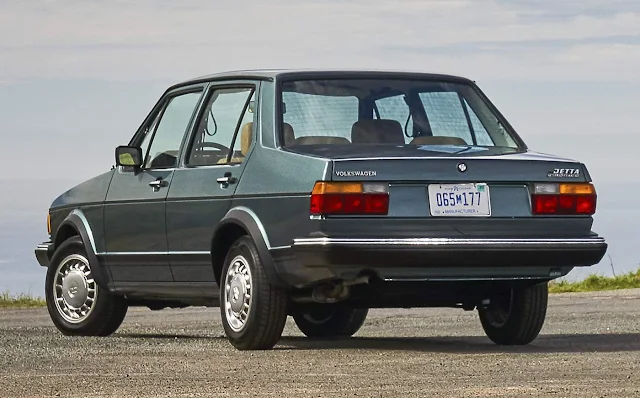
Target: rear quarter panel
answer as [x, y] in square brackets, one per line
[276, 185]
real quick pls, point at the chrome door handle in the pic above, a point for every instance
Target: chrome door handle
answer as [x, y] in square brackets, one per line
[227, 179]
[157, 184]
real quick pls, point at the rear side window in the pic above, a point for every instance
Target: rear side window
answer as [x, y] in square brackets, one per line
[225, 131]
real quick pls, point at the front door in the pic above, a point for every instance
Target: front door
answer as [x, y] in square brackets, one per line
[201, 191]
[135, 207]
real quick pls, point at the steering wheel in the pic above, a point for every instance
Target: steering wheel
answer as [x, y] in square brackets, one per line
[215, 145]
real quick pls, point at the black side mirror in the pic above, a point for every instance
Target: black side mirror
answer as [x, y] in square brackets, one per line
[129, 156]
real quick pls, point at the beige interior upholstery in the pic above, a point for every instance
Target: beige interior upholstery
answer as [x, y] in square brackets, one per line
[438, 140]
[246, 134]
[320, 140]
[287, 132]
[377, 131]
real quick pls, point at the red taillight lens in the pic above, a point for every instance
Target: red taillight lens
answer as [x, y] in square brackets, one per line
[349, 198]
[545, 204]
[564, 199]
[586, 204]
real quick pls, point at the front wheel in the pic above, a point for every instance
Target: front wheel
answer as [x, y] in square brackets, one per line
[253, 310]
[329, 320]
[77, 305]
[515, 315]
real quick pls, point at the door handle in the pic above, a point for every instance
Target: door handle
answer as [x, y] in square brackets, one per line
[227, 179]
[157, 184]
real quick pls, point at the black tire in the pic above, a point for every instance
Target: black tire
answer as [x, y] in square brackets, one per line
[329, 320]
[107, 310]
[515, 315]
[266, 309]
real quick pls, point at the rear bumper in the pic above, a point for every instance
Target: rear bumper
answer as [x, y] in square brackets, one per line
[313, 259]
[43, 253]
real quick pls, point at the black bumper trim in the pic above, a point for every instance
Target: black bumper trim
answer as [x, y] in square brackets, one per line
[312, 259]
[43, 253]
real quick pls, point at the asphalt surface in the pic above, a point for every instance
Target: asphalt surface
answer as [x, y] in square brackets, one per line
[589, 347]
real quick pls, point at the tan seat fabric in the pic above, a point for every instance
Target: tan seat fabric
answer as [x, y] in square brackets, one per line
[438, 140]
[377, 131]
[320, 140]
[246, 135]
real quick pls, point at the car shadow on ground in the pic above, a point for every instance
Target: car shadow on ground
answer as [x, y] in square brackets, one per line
[553, 343]
[472, 344]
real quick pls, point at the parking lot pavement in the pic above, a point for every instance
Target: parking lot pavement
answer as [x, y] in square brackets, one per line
[589, 347]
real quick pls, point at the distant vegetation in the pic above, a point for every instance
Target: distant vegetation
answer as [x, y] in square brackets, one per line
[8, 300]
[594, 282]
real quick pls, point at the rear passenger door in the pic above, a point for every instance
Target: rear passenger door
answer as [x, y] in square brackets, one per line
[202, 188]
[135, 208]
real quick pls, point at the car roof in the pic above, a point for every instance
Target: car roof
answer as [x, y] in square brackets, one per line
[273, 74]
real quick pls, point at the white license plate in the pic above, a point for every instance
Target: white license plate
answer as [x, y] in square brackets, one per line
[459, 200]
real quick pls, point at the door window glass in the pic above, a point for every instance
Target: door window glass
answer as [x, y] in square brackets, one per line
[227, 122]
[170, 127]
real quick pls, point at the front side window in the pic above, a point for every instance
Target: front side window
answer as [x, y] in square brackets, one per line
[225, 131]
[388, 112]
[167, 131]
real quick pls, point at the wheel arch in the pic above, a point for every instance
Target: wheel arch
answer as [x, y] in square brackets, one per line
[76, 224]
[240, 221]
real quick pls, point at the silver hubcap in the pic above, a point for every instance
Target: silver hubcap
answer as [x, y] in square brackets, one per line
[74, 289]
[237, 293]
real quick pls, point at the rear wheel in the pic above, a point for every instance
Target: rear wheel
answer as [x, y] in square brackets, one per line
[253, 310]
[329, 320]
[77, 305]
[515, 315]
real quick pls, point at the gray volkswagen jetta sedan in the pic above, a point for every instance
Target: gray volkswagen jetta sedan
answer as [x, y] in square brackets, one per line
[320, 194]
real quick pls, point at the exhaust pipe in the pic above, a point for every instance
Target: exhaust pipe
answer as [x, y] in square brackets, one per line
[331, 292]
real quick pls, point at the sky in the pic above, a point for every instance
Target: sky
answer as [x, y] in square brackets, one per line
[78, 77]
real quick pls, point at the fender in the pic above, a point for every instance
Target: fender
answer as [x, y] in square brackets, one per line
[77, 220]
[248, 220]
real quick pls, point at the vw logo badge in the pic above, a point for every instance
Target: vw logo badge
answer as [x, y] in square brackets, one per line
[462, 167]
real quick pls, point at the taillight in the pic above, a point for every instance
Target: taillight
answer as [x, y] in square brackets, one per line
[349, 198]
[564, 199]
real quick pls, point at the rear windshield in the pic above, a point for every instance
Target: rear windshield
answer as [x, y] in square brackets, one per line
[388, 112]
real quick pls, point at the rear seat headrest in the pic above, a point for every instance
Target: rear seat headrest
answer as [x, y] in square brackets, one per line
[377, 131]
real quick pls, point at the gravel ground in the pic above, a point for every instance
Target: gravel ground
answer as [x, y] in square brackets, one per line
[589, 347]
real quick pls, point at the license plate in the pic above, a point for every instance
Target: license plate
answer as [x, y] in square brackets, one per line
[459, 200]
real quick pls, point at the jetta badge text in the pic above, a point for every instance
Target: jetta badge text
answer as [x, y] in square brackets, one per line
[568, 173]
[356, 173]
[462, 167]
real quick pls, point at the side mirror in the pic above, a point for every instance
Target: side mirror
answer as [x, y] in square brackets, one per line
[129, 156]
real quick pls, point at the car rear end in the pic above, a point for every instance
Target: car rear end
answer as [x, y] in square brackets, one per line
[429, 198]
[427, 181]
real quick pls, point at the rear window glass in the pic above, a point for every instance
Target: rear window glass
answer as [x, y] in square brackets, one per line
[312, 114]
[388, 112]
